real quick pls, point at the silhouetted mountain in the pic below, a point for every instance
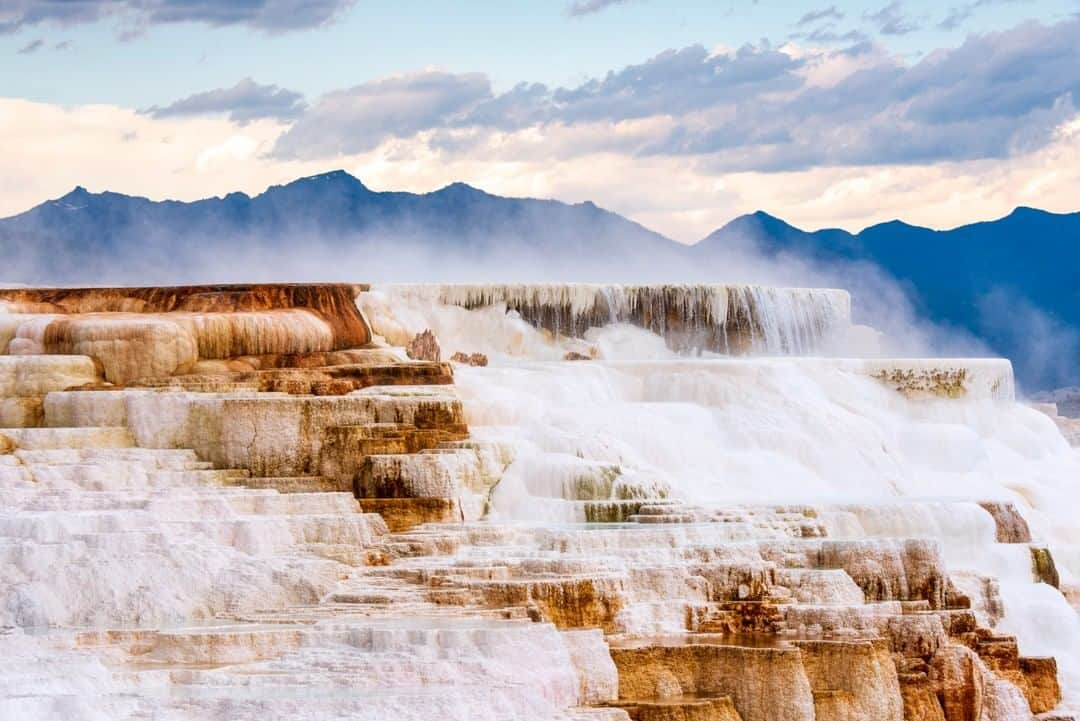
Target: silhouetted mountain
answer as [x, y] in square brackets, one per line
[1014, 282]
[66, 240]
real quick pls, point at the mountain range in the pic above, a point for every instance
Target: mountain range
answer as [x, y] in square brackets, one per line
[1013, 283]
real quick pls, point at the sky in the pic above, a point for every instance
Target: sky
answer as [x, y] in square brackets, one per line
[680, 115]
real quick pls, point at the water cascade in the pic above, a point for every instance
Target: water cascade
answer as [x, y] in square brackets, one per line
[728, 319]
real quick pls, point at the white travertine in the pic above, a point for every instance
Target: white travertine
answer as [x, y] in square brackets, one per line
[743, 539]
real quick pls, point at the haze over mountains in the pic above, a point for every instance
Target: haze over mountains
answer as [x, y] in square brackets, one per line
[1012, 282]
[81, 236]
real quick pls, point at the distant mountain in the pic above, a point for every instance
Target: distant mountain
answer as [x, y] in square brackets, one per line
[1014, 282]
[86, 237]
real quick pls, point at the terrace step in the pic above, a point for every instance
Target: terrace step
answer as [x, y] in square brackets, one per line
[40, 439]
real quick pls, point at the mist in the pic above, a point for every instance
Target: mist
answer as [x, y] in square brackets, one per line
[466, 236]
[414, 255]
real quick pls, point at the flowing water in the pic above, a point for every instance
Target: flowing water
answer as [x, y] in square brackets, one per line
[718, 432]
[730, 412]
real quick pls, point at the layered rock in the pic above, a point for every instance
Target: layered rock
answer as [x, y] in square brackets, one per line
[332, 302]
[752, 632]
[719, 318]
[339, 532]
[25, 383]
[153, 332]
[424, 346]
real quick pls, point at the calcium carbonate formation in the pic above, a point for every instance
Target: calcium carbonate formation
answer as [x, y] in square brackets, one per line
[624, 502]
[718, 318]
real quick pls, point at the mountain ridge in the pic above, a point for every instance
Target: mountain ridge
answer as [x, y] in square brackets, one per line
[81, 192]
[1012, 281]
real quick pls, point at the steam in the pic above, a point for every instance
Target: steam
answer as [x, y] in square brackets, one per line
[412, 253]
[1051, 347]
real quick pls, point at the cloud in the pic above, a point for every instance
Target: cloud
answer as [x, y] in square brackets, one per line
[686, 197]
[587, 7]
[31, 47]
[106, 147]
[995, 95]
[752, 109]
[243, 102]
[957, 16]
[679, 81]
[360, 118]
[891, 20]
[827, 35]
[999, 76]
[673, 83]
[268, 15]
[829, 13]
[960, 14]
[34, 45]
[682, 141]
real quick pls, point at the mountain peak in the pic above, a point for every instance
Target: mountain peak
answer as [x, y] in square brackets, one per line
[339, 177]
[459, 188]
[76, 199]
[755, 225]
[892, 227]
[78, 192]
[1022, 211]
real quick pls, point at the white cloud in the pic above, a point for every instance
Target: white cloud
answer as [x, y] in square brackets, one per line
[756, 108]
[243, 102]
[236, 148]
[269, 15]
[50, 149]
[361, 117]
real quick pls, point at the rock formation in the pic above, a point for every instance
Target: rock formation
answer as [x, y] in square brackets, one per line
[720, 318]
[424, 346]
[473, 359]
[240, 503]
[154, 332]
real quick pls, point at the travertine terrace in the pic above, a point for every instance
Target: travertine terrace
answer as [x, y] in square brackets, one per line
[249, 502]
[731, 319]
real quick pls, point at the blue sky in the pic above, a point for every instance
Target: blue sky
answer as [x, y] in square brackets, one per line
[680, 114]
[510, 40]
